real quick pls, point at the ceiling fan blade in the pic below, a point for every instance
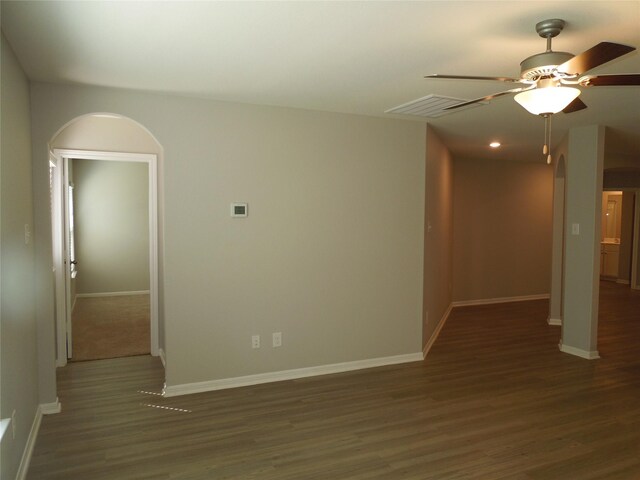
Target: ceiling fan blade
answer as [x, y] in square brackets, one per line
[468, 77]
[601, 53]
[574, 106]
[622, 80]
[487, 98]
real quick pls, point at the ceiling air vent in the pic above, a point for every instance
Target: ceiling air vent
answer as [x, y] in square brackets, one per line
[430, 106]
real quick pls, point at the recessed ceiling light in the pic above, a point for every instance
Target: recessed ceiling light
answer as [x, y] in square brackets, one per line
[494, 144]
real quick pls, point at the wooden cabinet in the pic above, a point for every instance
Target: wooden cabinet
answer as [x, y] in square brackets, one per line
[609, 256]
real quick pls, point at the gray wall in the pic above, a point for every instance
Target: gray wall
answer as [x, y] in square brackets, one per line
[18, 347]
[331, 254]
[438, 233]
[111, 213]
[502, 229]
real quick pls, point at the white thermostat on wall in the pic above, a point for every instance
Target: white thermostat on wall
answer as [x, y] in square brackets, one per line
[239, 210]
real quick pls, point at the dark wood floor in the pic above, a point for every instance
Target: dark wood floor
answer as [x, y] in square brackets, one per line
[495, 399]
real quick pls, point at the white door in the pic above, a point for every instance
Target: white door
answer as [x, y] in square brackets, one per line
[59, 242]
[69, 253]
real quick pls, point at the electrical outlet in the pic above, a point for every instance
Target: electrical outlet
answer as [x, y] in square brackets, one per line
[13, 424]
[277, 339]
[255, 341]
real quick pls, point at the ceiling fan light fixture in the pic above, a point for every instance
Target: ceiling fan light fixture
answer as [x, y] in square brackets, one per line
[548, 100]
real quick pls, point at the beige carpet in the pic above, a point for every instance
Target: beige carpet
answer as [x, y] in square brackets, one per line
[110, 327]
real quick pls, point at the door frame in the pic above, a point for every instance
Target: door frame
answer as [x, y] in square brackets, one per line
[61, 158]
[59, 255]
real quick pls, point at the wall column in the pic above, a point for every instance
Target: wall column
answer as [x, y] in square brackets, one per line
[582, 241]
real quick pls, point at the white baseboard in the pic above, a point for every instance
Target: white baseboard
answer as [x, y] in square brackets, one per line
[43, 409]
[436, 332]
[51, 408]
[162, 356]
[554, 321]
[489, 301]
[28, 448]
[578, 352]
[211, 385]
[623, 281]
[112, 294]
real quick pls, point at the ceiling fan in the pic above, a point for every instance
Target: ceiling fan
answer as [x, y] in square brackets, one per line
[549, 79]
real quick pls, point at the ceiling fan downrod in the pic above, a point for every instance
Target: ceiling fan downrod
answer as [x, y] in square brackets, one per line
[543, 65]
[549, 29]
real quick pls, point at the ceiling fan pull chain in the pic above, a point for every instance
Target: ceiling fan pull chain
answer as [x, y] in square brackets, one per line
[547, 123]
[545, 148]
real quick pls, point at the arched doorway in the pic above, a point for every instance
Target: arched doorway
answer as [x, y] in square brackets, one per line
[111, 138]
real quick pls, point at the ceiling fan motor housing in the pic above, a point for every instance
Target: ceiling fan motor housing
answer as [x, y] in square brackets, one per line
[542, 65]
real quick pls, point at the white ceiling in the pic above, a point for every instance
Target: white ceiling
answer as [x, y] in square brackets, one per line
[354, 57]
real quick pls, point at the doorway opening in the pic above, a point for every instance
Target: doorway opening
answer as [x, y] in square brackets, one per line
[615, 236]
[619, 239]
[70, 169]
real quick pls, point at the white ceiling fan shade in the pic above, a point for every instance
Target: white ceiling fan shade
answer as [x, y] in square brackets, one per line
[540, 101]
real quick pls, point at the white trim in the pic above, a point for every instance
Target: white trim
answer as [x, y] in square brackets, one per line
[152, 161]
[51, 408]
[162, 356]
[436, 332]
[96, 155]
[211, 385]
[154, 306]
[57, 246]
[554, 321]
[66, 266]
[622, 281]
[29, 446]
[578, 352]
[112, 294]
[488, 301]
